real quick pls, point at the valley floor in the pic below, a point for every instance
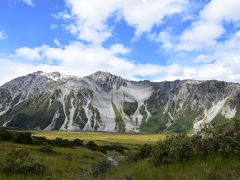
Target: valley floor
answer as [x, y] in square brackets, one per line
[103, 137]
[74, 163]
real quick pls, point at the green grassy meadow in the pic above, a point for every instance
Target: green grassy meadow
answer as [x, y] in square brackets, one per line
[213, 167]
[103, 137]
[75, 163]
[66, 163]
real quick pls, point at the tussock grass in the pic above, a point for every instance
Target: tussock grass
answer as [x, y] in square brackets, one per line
[65, 163]
[103, 137]
[213, 167]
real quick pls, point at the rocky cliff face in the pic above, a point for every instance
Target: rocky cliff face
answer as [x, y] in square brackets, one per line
[105, 102]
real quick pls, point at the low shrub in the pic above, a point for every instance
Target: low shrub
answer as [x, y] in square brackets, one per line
[61, 142]
[19, 161]
[22, 137]
[101, 166]
[115, 147]
[92, 145]
[77, 142]
[46, 148]
[5, 135]
[39, 140]
[143, 152]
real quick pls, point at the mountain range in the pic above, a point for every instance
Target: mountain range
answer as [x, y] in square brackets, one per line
[106, 102]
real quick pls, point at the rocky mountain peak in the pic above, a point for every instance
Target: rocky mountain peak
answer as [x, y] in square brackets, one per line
[106, 102]
[107, 80]
[52, 75]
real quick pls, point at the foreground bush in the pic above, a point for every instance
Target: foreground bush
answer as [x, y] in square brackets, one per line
[19, 161]
[221, 139]
[101, 166]
[177, 148]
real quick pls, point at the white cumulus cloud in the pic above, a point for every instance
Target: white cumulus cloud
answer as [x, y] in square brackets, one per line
[204, 32]
[90, 18]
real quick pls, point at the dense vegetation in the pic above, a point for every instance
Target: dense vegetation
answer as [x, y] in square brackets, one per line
[212, 153]
[213, 144]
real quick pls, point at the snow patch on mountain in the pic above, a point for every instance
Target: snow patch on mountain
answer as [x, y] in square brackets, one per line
[210, 114]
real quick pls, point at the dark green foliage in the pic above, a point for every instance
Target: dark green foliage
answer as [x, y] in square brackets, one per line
[92, 145]
[38, 140]
[27, 138]
[143, 152]
[176, 148]
[100, 167]
[64, 142]
[22, 137]
[46, 148]
[5, 135]
[19, 161]
[61, 142]
[77, 142]
[114, 147]
[129, 108]
[225, 138]
[111, 147]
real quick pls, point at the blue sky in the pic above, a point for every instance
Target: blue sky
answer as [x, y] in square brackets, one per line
[138, 39]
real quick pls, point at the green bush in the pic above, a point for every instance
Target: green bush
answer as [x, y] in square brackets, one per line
[19, 161]
[223, 138]
[5, 135]
[143, 152]
[77, 142]
[39, 140]
[61, 142]
[114, 147]
[46, 148]
[177, 148]
[22, 137]
[100, 167]
[92, 145]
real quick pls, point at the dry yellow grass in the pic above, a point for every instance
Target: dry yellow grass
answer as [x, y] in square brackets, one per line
[123, 138]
